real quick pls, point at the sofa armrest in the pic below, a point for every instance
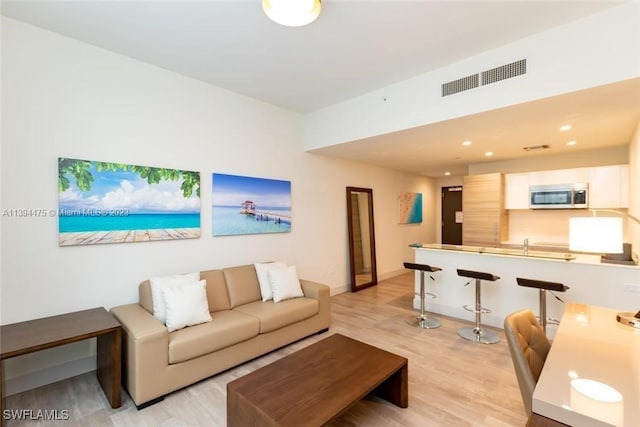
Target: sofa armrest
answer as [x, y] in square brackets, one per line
[321, 293]
[314, 290]
[138, 323]
[145, 353]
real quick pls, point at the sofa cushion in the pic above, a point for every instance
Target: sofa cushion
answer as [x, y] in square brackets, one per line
[262, 271]
[145, 293]
[242, 285]
[217, 294]
[225, 329]
[277, 315]
[285, 283]
[158, 284]
[185, 305]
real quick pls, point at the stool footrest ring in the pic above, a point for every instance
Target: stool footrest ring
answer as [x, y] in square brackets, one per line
[426, 294]
[552, 321]
[473, 309]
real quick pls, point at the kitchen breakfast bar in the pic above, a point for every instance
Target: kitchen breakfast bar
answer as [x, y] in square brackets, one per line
[589, 281]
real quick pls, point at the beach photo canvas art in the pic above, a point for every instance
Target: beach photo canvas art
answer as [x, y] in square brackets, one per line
[247, 205]
[101, 202]
[410, 208]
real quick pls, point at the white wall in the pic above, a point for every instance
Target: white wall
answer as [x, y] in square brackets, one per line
[634, 190]
[63, 98]
[593, 51]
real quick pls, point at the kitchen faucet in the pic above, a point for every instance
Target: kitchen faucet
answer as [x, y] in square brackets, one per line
[526, 246]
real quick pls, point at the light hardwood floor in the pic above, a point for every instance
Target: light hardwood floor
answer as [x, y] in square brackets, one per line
[452, 382]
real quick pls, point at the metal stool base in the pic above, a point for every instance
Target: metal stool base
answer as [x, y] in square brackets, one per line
[423, 322]
[479, 335]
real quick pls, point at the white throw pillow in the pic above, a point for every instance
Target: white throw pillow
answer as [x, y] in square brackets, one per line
[262, 270]
[285, 283]
[186, 305]
[159, 283]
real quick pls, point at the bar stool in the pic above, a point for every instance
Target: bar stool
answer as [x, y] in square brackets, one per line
[476, 333]
[422, 320]
[544, 286]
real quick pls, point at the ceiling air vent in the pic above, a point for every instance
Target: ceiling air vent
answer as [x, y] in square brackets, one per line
[460, 85]
[536, 147]
[504, 72]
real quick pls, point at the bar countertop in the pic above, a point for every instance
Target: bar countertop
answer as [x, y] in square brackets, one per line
[589, 280]
[578, 258]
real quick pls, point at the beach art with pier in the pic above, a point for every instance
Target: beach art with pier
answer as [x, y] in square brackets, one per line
[247, 205]
[101, 202]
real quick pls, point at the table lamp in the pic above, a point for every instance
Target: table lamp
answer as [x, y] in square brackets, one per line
[601, 235]
[595, 234]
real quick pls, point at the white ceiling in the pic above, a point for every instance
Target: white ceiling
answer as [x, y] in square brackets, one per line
[354, 47]
[602, 117]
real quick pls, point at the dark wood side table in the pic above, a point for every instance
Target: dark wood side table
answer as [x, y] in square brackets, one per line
[21, 338]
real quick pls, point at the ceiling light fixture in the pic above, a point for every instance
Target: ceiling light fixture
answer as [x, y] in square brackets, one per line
[447, 173]
[489, 153]
[466, 143]
[565, 128]
[571, 143]
[292, 13]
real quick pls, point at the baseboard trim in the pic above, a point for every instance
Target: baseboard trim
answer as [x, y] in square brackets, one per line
[346, 288]
[391, 274]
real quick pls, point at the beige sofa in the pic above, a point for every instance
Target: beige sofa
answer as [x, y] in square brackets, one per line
[157, 362]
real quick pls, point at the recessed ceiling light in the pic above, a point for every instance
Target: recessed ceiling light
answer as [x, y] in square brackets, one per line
[571, 143]
[466, 143]
[489, 153]
[565, 128]
[447, 173]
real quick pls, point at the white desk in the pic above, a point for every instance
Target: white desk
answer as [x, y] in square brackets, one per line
[591, 345]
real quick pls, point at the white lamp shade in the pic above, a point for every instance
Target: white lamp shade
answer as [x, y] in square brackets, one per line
[292, 13]
[596, 234]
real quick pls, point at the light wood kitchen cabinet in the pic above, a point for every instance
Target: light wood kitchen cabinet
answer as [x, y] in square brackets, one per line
[516, 190]
[559, 176]
[486, 221]
[609, 187]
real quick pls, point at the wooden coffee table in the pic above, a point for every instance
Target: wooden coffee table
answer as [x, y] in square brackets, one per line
[316, 384]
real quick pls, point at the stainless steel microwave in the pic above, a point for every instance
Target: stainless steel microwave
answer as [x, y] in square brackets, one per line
[562, 196]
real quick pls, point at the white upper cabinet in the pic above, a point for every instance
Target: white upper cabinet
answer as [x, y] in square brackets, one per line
[609, 187]
[559, 176]
[516, 191]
